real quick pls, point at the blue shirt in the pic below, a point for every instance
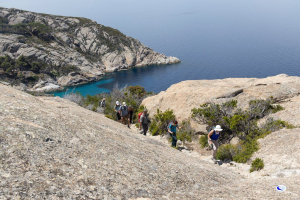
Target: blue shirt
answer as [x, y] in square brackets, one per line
[215, 135]
[173, 128]
[117, 107]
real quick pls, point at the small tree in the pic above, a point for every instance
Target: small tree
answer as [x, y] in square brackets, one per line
[161, 120]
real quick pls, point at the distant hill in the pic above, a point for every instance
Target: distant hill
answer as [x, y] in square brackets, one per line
[38, 49]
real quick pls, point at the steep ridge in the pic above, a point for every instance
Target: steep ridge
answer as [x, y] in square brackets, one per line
[52, 148]
[84, 49]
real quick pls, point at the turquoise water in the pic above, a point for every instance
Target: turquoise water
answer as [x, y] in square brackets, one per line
[214, 39]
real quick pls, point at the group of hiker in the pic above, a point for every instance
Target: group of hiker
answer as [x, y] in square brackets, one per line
[124, 114]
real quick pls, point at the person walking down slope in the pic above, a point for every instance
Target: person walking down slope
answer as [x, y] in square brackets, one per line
[172, 131]
[144, 119]
[102, 103]
[125, 114]
[117, 109]
[213, 137]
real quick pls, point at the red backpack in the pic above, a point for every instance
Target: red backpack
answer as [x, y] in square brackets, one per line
[140, 116]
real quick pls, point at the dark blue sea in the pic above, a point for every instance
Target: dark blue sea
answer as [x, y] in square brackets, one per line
[214, 39]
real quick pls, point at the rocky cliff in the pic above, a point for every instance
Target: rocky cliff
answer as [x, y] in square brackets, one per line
[69, 43]
[53, 149]
[186, 95]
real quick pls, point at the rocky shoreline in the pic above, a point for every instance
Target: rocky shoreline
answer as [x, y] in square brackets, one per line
[70, 50]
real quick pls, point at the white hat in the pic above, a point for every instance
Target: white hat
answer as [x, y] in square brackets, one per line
[124, 103]
[218, 128]
[117, 102]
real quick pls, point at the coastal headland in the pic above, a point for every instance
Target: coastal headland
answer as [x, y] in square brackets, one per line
[44, 52]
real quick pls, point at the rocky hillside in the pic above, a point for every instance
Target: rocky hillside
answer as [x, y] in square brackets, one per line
[51, 148]
[62, 51]
[184, 96]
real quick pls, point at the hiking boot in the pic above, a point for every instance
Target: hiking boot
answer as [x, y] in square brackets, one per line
[214, 160]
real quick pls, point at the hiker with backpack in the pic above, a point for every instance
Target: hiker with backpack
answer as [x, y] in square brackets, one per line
[144, 119]
[102, 103]
[139, 119]
[117, 109]
[172, 131]
[213, 137]
[125, 114]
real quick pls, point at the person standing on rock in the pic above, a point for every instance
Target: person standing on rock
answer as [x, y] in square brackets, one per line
[102, 103]
[125, 114]
[213, 137]
[172, 130]
[144, 121]
[117, 109]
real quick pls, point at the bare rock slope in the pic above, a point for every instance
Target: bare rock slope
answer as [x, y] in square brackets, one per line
[70, 41]
[52, 148]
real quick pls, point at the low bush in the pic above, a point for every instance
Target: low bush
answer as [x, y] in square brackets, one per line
[160, 122]
[74, 97]
[240, 123]
[203, 141]
[186, 133]
[256, 165]
[226, 152]
[14, 69]
[244, 151]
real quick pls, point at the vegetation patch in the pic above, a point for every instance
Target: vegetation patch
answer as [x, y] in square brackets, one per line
[239, 123]
[160, 122]
[29, 70]
[256, 165]
[35, 29]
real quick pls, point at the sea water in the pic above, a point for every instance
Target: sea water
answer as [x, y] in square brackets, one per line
[214, 39]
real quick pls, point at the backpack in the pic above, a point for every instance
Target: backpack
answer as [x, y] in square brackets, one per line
[139, 116]
[101, 104]
[211, 128]
[145, 119]
[124, 111]
[169, 125]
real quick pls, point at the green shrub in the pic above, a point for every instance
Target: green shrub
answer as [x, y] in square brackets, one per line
[225, 152]
[256, 165]
[109, 116]
[272, 125]
[203, 141]
[244, 151]
[277, 108]
[91, 100]
[186, 132]
[154, 128]
[3, 20]
[137, 90]
[161, 120]
[240, 123]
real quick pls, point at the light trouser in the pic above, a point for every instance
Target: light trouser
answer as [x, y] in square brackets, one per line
[214, 147]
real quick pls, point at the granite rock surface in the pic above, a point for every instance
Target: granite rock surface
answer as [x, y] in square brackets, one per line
[51, 148]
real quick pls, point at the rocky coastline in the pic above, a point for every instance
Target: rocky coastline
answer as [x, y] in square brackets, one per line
[68, 50]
